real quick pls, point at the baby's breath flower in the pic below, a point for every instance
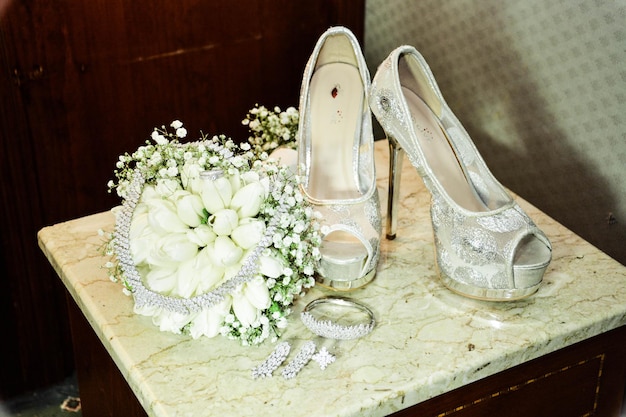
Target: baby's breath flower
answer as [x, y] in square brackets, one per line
[270, 129]
[181, 132]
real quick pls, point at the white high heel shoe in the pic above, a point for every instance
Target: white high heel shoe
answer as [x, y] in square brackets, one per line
[487, 247]
[336, 159]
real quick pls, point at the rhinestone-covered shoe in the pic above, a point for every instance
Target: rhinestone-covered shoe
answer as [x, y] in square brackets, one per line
[336, 159]
[487, 247]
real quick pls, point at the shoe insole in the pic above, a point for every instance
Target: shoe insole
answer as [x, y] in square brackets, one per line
[440, 156]
[336, 103]
[445, 166]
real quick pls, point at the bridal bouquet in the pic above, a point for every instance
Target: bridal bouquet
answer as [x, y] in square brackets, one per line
[210, 240]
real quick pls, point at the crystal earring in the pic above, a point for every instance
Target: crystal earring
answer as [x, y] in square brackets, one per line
[273, 361]
[302, 358]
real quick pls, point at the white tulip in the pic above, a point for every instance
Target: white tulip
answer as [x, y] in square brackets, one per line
[172, 249]
[162, 280]
[231, 271]
[187, 278]
[193, 280]
[163, 217]
[224, 221]
[142, 238]
[189, 208]
[169, 321]
[201, 235]
[266, 183]
[235, 180]
[246, 313]
[190, 176]
[248, 233]
[250, 177]
[167, 187]
[139, 223]
[216, 194]
[148, 193]
[210, 278]
[247, 201]
[271, 266]
[200, 274]
[141, 208]
[223, 252]
[209, 321]
[257, 293]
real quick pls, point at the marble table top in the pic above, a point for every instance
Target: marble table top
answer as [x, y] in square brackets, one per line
[427, 340]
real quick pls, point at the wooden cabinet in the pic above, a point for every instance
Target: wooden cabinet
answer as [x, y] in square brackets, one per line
[585, 379]
[103, 389]
[85, 81]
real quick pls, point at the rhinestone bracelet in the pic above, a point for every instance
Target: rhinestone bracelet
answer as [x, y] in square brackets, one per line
[332, 330]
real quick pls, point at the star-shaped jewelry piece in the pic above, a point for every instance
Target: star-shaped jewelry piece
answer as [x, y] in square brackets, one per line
[323, 358]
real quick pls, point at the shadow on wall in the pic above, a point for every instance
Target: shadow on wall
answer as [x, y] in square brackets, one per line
[514, 86]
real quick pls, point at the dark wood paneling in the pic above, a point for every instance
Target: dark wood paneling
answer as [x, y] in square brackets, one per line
[35, 331]
[83, 81]
[585, 379]
[103, 390]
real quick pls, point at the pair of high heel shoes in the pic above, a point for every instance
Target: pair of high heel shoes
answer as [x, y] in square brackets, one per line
[486, 246]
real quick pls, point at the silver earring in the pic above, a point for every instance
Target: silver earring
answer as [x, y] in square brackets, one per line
[302, 358]
[269, 365]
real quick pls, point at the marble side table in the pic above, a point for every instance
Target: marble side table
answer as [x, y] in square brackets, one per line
[560, 352]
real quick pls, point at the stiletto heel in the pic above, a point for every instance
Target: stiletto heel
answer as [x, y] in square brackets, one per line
[336, 159]
[486, 246]
[396, 156]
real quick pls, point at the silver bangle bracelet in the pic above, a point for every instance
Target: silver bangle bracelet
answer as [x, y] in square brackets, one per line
[332, 329]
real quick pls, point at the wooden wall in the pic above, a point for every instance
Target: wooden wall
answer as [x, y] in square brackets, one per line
[83, 82]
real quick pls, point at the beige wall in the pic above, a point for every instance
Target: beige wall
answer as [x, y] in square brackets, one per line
[541, 87]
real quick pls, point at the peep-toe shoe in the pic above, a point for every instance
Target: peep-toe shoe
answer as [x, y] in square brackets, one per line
[336, 159]
[487, 247]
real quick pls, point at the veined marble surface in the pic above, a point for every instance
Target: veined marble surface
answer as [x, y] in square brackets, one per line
[427, 340]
